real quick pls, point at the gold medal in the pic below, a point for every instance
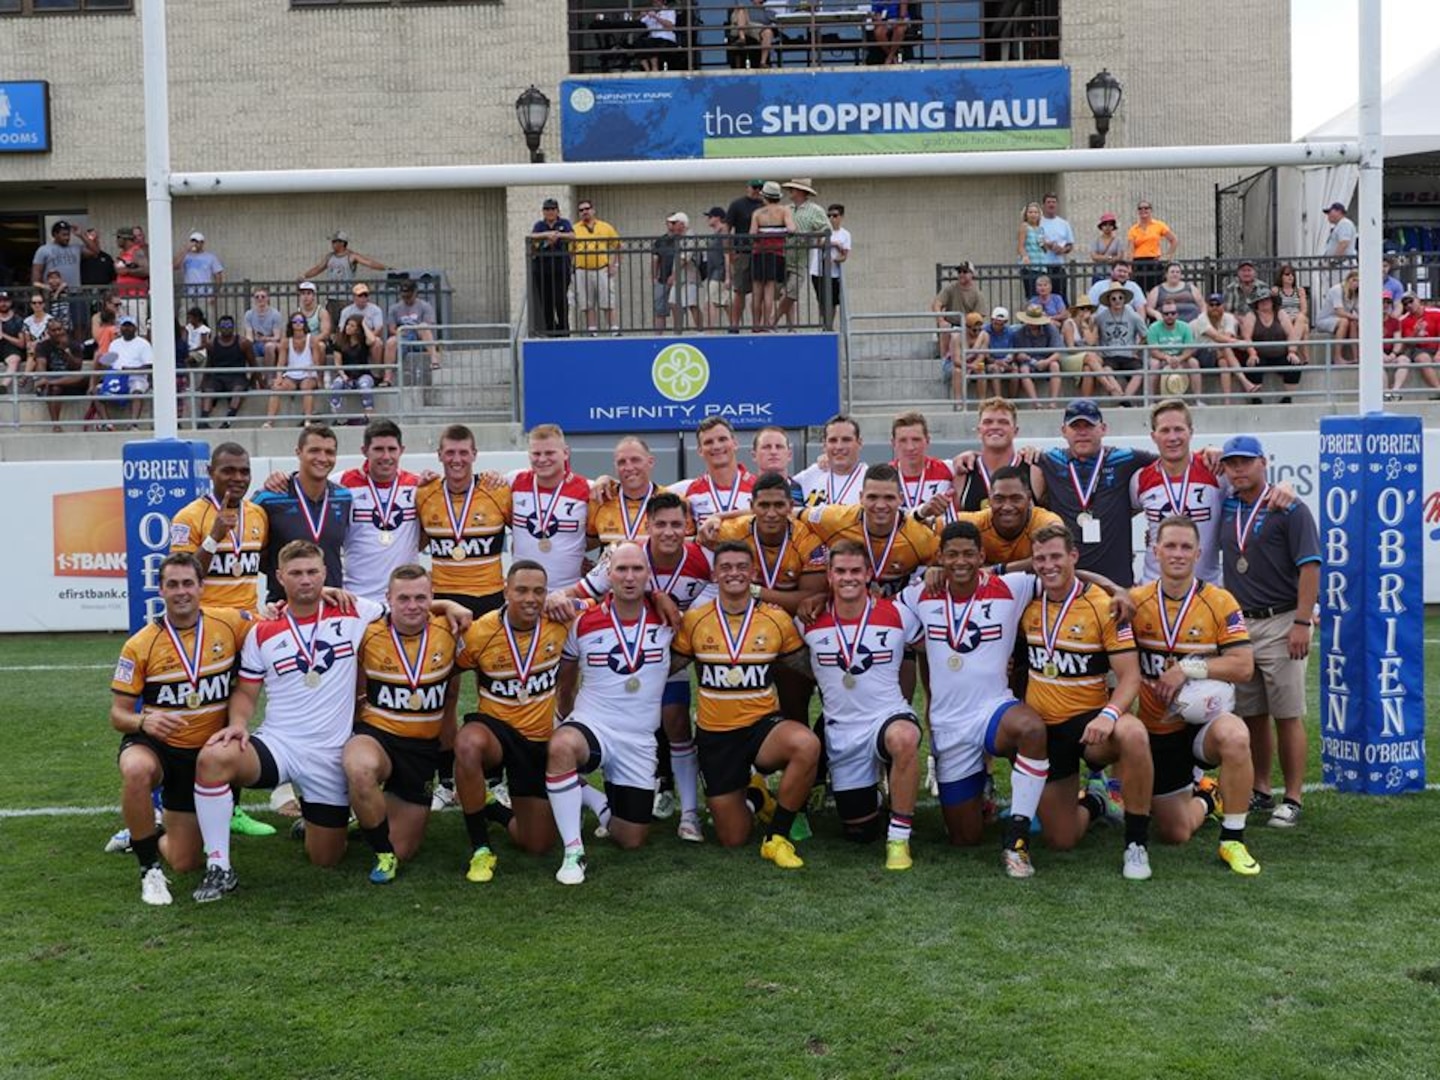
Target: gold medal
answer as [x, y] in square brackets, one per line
[1050, 669]
[192, 699]
[734, 676]
[458, 551]
[523, 696]
[632, 685]
[848, 681]
[1242, 564]
[312, 679]
[386, 539]
[954, 663]
[544, 544]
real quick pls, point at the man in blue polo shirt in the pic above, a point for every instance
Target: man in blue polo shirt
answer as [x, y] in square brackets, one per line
[311, 507]
[550, 268]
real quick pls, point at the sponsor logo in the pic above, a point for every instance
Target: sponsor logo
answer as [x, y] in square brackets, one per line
[680, 372]
[89, 533]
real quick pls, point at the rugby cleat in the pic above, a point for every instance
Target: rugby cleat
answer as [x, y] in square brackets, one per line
[1114, 805]
[690, 829]
[1234, 854]
[482, 865]
[781, 852]
[801, 830]
[665, 805]
[1208, 789]
[443, 797]
[1285, 816]
[1261, 800]
[386, 866]
[119, 843]
[1015, 857]
[498, 793]
[767, 801]
[1137, 863]
[897, 855]
[572, 870]
[216, 884]
[242, 824]
[154, 888]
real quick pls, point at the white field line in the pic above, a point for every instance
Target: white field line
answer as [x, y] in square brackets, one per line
[5, 668]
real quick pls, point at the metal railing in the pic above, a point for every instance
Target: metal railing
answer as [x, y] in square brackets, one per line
[609, 36]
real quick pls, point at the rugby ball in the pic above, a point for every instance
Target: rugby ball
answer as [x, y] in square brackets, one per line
[1201, 700]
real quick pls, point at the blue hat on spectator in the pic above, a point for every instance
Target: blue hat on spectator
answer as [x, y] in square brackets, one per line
[1083, 409]
[127, 319]
[1247, 446]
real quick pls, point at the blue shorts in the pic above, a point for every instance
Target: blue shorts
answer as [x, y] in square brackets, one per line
[886, 11]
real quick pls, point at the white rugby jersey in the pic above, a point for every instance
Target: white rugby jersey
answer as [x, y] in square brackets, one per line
[1200, 496]
[937, 478]
[384, 531]
[689, 583]
[966, 680]
[554, 517]
[605, 658]
[820, 487]
[874, 657]
[705, 497]
[322, 716]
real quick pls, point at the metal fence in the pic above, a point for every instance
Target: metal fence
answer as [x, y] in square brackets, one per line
[610, 36]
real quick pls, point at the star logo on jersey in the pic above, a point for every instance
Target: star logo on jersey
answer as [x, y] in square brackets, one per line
[680, 372]
[324, 657]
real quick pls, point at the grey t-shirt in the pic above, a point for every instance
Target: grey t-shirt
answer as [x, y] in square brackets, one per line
[1279, 543]
[62, 257]
[1122, 336]
[403, 314]
[372, 317]
[267, 325]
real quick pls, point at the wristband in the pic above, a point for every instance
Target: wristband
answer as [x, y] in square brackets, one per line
[1303, 622]
[210, 544]
[1111, 712]
[1001, 568]
[1195, 668]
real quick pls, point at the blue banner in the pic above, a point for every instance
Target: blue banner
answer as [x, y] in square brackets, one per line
[869, 111]
[670, 384]
[1372, 629]
[160, 478]
[24, 117]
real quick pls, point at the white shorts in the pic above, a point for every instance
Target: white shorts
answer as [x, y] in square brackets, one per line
[317, 773]
[685, 295]
[592, 289]
[626, 757]
[855, 754]
[960, 745]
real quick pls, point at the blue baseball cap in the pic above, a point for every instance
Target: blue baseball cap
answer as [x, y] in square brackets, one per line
[1247, 446]
[1083, 409]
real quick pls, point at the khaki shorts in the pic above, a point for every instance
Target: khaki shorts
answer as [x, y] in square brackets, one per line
[687, 295]
[592, 289]
[1278, 686]
[717, 293]
[796, 278]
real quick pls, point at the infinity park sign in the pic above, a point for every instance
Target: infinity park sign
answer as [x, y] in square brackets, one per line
[761, 115]
[664, 384]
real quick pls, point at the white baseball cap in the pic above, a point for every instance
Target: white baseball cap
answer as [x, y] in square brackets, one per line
[198, 236]
[1000, 313]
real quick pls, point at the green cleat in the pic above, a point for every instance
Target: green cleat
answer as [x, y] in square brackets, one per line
[897, 855]
[242, 824]
[482, 865]
[386, 866]
[1235, 855]
[800, 830]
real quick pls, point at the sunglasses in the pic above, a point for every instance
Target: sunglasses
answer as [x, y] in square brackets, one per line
[361, 294]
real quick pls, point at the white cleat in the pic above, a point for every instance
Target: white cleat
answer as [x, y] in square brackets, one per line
[1137, 863]
[690, 829]
[665, 805]
[119, 843]
[443, 797]
[572, 870]
[154, 889]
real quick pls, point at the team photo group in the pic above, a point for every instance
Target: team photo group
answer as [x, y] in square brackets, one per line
[851, 637]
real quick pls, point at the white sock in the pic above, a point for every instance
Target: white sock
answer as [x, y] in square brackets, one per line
[1027, 784]
[213, 807]
[685, 763]
[595, 801]
[565, 805]
[900, 825]
[1234, 821]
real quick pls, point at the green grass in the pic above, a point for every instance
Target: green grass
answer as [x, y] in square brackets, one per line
[695, 962]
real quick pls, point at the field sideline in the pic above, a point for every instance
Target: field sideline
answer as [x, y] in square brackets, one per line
[678, 960]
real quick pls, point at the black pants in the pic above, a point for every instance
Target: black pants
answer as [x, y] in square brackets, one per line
[551, 278]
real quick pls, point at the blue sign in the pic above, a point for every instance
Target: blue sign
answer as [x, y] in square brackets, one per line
[669, 384]
[24, 118]
[1372, 631]
[870, 111]
[161, 477]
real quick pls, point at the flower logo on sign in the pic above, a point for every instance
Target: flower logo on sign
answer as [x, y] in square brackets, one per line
[582, 99]
[680, 372]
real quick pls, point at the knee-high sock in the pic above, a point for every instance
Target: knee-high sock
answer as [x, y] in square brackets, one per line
[686, 762]
[1027, 783]
[213, 806]
[565, 803]
[595, 801]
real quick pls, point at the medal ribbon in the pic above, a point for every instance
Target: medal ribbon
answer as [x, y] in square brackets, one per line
[522, 669]
[734, 646]
[412, 672]
[458, 530]
[237, 534]
[1177, 506]
[1087, 493]
[315, 525]
[667, 585]
[877, 567]
[909, 499]
[543, 518]
[985, 473]
[1242, 531]
[384, 509]
[848, 649]
[1169, 629]
[629, 653]
[723, 507]
[1047, 634]
[304, 648]
[955, 633]
[839, 500]
[190, 665]
[768, 574]
[632, 528]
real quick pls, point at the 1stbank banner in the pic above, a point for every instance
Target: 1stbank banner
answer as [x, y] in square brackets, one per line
[661, 384]
[824, 112]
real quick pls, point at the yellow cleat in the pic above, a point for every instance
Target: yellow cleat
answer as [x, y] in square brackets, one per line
[781, 852]
[897, 855]
[482, 865]
[1234, 853]
[766, 813]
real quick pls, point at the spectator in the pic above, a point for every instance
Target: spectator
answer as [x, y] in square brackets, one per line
[1422, 323]
[353, 344]
[339, 265]
[754, 24]
[410, 319]
[303, 367]
[370, 314]
[1267, 329]
[226, 371]
[1143, 243]
[1049, 301]
[737, 219]
[596, 253]
[12, 336]
[197, 337]
[59, 370]
[1119, 278]
[1394, 290]
[997, 355]
[976, 354]
[60, 304]
[128, 361]
[1340, 240]
[1173, 288]
[956, 300]
[1120, 333]
[1170, 356]
[827, 284]
[1294, 301]
[132, 273]
[683, 284]
[770, 227]
[1059, 242]
[106, 320]
[1030, 247]
[1240, 291]
[1106, 250]
[811, 221]
[659, 39]
[264, 329]
[1081, 336]
[1038, 347]
[317, 318]
[1216, 332]
[1339, 315]
[97, 266]
[1395, 356]
[61, 254]
[200, 270]
[891, 22]
[662, 271]
[34, 325]
[715, 269]
[550, 239]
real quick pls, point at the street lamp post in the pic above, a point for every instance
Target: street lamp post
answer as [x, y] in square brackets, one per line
[1103, 94]
[532, 109]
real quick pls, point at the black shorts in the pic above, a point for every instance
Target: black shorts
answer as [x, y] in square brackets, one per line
[523, 759]
[626, 803]
[177, 769]
[1122, 363]
[1175, 760]
[224, 382]
[476, 605]
[728, 757]
[412, 763]
[1064, 747]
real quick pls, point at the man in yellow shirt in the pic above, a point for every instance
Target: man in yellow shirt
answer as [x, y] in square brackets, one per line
[596, 251]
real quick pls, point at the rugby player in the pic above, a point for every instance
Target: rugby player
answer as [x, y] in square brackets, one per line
[168, 696]
[406, 697]
[1008, 521]
[997, 427]
[734, 642]
[838, 482]
[306, 505]
[770, 451]
[921, 477]
[515, 654]
[1189, 631]
[856, 647]
[621, 649]
[618, 513]
[463, 524]
[384, 532]
[725, 487]
[897, 545]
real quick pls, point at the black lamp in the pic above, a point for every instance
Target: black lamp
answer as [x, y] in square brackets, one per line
[1103, 94]
[532, 109]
